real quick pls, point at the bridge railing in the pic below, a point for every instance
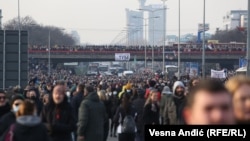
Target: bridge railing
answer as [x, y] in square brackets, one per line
[67, 52]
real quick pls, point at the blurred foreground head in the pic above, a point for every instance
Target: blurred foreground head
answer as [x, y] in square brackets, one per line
[209, 103]
[239, 87]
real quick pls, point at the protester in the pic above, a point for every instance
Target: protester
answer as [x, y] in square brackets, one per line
[192, 83]
[151, 112]
[164, 94]
[174, 105]
[91, 118]
[33, 95]
[123, 111]
[152, 84]
[104, 98]
[45, 99]
[58, 115]
[209, 103]
[28, 126]
[239, 87]
[10, 117]
[4, 105]
[114, 104]
[76, 101]
[139, 106]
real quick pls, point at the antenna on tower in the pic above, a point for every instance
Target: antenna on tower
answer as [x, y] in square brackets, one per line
[142, 4]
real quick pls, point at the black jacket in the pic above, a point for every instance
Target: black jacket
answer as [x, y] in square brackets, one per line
[114, 104]
[121, 111]
[28, 128]
[139, 105]
[151, 115]
[92, 116]
[4, 109]
[6, 121]
[60, 119]
[76, 102]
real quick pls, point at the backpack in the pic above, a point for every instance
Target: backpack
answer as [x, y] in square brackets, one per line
[128, 125]
[10, 134]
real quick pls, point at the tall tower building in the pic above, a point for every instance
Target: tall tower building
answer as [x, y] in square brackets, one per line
[1, 19]
[134, 27]
[155, 25]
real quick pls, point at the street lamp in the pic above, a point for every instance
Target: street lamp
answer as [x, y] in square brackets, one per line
[164, 37]
[203, 42]
[19, 45]
[179, 40]
[248, 40]
[49, 56]
[152, 11]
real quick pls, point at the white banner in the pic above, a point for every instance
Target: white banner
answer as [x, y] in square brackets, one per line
[201, 27]
[122, 56]
[218, 74]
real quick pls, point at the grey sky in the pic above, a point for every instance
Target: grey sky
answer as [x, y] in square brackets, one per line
[99, 21]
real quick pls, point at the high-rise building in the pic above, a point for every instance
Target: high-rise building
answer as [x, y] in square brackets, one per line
[243, 21]
[233, 19]
[155, 25]
[134, 27]
[1, 19]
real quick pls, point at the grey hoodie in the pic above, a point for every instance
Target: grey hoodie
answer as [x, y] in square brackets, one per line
[166, 90]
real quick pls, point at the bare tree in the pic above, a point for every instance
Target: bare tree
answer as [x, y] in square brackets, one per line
[39, 34]
[230, 36]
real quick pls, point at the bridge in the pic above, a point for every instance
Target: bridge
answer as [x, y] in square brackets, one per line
[58, 56]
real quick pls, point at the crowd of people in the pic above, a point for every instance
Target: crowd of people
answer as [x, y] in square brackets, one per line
[85, 108]
[184, 47]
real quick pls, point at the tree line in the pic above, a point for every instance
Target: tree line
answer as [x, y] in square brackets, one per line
[39, 34]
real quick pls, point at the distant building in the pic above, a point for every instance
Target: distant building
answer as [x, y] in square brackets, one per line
[76, 37]
[134, 27]
[234, 19]
[1, 19]
[172, 39]
[243, 21]
[155, 25]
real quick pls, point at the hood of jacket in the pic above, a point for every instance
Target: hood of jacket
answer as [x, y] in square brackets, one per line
[92, 97]
[176, 84]
[166, 90]
[28, 120]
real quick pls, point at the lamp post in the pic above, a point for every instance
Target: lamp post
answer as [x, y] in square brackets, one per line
[203, 41]
[19, 45]
[153, 56]
[49, 55]
[179, 40]
[164, 37]
[248, 40]
[152, 11]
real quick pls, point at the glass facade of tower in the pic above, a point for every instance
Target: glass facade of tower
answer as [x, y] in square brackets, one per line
[134, 27]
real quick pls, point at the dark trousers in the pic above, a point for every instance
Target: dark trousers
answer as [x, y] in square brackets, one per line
[126, 137]
[139, 137]
[106, 130]
[113, 127]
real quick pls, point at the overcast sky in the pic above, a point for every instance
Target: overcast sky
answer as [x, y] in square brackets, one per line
[99, 21]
